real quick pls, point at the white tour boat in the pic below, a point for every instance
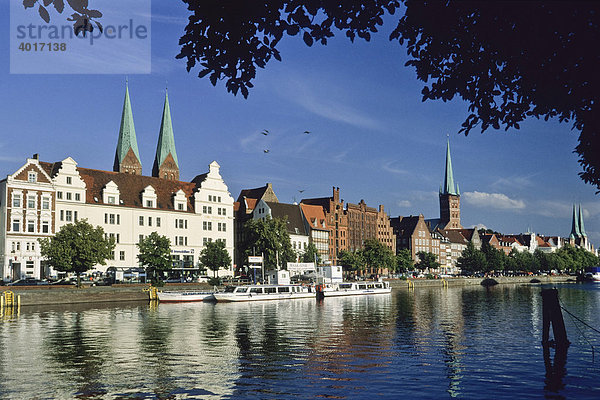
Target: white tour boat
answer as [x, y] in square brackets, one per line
[184, 296]
[353, 288]
[593, 275]
[264, 292]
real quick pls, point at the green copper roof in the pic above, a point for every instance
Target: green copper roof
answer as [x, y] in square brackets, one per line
[448, 187]
[166, 140]
[575, 225]
[581, 227]
[127, 138]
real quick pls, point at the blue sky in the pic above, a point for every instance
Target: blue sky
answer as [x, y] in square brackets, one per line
[370, 133]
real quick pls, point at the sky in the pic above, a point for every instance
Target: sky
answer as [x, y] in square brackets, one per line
[370, 133]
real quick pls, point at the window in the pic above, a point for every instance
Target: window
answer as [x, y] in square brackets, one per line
[32, 177]
[149, 221]
[59, 195]
[30, 201]
[16, 225]
[111, 199]
[69, 195]
[77, 197]
[45, 227]
[141, 220]
[112, 255]
[206, 226]
[209, 209]
[141, 238]
[219, 199]
[118, 219]
[45, 203]
[122, 255]
[62, 215]
[158, 222]
[30, 226]
[149, 203]
[209, 197]
[75, 216]
[221, 227]
[69, 180]
[68, 215]
[180, 206]
[16, 200]
[106, 218]
[111, 219]
[203, 209]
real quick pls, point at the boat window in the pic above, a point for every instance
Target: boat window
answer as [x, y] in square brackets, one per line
[270, 290]
[285, 289]
[229, 289]
[378, 285]
[362, 287]
[241, 290]
[345, 286]
[370, 286]
[256, 290]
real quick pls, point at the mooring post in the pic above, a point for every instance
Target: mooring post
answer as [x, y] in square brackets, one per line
[552, 314]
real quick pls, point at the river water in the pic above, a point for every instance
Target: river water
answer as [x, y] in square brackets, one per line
[464, 342]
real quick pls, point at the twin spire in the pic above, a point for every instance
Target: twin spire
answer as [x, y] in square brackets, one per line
[449, 187]
[127, 157]
[577, 227]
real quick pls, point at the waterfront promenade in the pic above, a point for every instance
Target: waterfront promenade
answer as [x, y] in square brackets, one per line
[42, 295]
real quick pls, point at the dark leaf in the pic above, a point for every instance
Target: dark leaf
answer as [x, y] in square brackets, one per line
[29, 3]
[59, 5]
[99, 25]
[307, 39]
[203, 73]
[77, 5]
[94, 14]
[44, 14]
[47, 3]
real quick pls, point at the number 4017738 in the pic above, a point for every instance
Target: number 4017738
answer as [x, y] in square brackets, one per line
[26, 46]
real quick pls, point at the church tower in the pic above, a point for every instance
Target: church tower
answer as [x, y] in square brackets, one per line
[127, 157]
[166, 165]
[449, 197]
[578, 237]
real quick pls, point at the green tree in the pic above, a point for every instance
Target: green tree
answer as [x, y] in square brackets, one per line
[494, 258]
[404, 261]
[509, 62]
[269, 237]
[215, 256]
[351, 261]
[311, 254]
[427, 260]
[378, 256]
[471, 260]
[154, 251]
[77, 248]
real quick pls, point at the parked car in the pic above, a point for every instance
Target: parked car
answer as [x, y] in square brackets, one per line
[28, 282]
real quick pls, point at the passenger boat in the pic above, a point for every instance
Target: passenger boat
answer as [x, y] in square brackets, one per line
[263, 292]
[593, 275]
[353, 289]
[185, 296]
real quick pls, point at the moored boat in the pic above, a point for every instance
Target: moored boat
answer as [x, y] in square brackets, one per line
[185, 296]
[593, 275]
[354, 288]
[263, 292]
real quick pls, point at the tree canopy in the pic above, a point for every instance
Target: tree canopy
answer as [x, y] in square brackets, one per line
[508, 60]
[311, 254]
[77, 248]
[215, 256]
[155, 253]
[427, 261]
[268, 237]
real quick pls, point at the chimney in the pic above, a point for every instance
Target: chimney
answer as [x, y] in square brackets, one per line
[36, 156]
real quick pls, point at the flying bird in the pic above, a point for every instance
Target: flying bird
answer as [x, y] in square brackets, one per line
[266, 150]
[302, 191]
[265, 132]
[307, 132]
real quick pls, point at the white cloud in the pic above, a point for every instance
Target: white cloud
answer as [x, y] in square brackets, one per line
[403, 203]
[519, 181]
[493, 200]
[389, 167]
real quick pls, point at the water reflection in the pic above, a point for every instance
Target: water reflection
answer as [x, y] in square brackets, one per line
[428, 343]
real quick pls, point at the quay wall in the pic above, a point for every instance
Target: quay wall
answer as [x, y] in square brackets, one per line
[51, 295]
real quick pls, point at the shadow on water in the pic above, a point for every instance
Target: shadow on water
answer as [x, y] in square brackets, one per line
[555, 369]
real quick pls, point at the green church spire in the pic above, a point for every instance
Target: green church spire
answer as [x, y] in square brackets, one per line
[575, 225]
[448, 187]
[581, 227]
[165, 166]
[127, 142]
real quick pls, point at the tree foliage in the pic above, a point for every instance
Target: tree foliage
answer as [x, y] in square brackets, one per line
[508, 60]
[351, 260]
[427, 261]
[81, 16]
[77, 248]
[269, 237]
[215, 256]
[311, 254]
[155, 254]
[378, 256]
[404, 261]
[471, 260]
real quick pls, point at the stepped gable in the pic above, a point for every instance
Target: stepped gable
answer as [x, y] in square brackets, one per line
[292, 212]
[265, 193]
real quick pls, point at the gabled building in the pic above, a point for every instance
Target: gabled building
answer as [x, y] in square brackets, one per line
[41, 197]
[315, 224]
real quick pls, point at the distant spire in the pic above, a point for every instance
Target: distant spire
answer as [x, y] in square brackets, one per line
[574, 225]
[165, 147]
[127, 141]
[581, 227]
[448, 187]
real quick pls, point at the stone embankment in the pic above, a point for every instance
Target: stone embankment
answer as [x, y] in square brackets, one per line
[51, 295]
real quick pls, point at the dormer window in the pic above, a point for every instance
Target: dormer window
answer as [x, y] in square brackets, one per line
[149, 203]
[149, 199]
[69, 180]
[180, 201]
[110, 194]
[111, 200]
[32, 177]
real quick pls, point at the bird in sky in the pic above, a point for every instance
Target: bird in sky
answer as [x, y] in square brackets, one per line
[307, 132]
[265, 132]
[301, 191]
[266, 150]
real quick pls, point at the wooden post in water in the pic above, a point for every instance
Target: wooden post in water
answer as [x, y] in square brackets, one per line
[552, 314]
